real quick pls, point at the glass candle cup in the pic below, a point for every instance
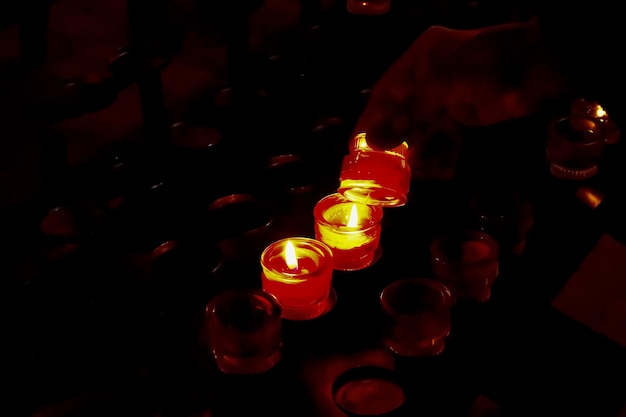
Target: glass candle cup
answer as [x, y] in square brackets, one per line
[298, 272]
[417, 316]
[244, 331]
[467, 263]
[505, 214]
[373, 177]
[352, 231]
[574, 154]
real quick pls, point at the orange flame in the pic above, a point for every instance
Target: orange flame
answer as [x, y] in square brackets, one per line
[290, 255]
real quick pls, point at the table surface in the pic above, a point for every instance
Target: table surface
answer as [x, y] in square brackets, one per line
[110, 326]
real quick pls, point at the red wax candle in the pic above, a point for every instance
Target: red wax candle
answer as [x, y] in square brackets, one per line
[352, 230]
[375, 177]
[298, 272]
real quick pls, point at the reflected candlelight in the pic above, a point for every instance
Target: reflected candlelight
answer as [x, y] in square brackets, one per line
[352, 230]
[298, 272]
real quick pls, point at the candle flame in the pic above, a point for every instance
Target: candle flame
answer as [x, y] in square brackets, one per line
[290, 255]
[600, 112]
[353, 220]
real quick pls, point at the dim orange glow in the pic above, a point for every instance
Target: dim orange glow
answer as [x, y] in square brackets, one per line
[591, 197]
[353, 220]
[290, 256]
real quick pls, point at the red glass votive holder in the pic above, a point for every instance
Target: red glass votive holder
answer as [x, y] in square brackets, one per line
[244, 331]
[298, 272]
[375, 177]
[466, 262]
[416, 313]
[351, 229]
[574, 153]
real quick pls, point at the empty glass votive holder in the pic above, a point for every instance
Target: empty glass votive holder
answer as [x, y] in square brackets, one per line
[298, 272]
[507, 215]
[416, 314]
[467, 262]
[573, 153]
[351, 229]
[244, 331]
[375, 177]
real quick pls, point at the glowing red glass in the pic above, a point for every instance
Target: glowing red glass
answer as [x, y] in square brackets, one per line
[352, 230]
[373, 177]
[302, 285]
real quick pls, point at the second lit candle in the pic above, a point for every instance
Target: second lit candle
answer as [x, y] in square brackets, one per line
[351, 229]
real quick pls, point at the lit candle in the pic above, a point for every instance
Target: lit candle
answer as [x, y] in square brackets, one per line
[375, 177]
[298, 272]
[351, 229]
